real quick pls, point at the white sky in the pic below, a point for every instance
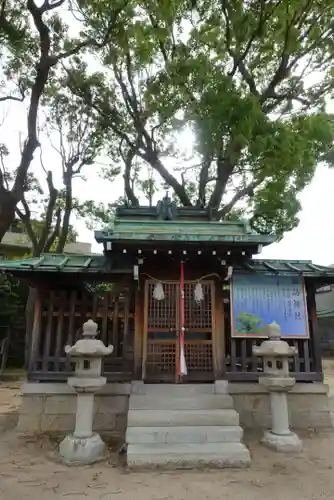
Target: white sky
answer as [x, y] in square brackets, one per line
[313, 239]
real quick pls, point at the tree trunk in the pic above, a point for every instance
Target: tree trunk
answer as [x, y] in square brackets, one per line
[67, 213]
[7, 211]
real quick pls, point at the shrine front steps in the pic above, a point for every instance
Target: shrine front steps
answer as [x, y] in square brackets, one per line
[183, 426]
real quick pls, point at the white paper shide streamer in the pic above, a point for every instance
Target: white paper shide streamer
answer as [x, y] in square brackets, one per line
[158, 292]
[183, 364]
[198, 293]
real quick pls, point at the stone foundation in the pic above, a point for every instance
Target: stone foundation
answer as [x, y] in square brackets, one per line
[308, 406]
[51, 407]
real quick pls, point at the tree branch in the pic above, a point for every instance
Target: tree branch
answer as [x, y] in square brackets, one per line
[11, 98]
[247, 191]
[286, 65]
[149, 152]
[155, 25]
[91, 42]
[47, 6]
[67, 210]
[2, 182]
[53, 193]
[239, 59]
[203, 181]
[128, 159]
[55, 233]
[42, 74]
[26, 220]
[152, 159]
[225, 165]
[3, 173]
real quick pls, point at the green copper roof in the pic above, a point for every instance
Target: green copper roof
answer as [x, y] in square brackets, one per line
[166, 222]
[56, 262]
[181, 230]
[285, 267]
[96, 264]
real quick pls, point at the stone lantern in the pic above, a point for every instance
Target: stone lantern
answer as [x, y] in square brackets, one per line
[277, 380]
[85, 446]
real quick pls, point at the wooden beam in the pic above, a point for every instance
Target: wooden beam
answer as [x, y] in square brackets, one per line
[316, 268]
[144, 335]
[293, 268]
[270, 267]
[115, 331]
[87, 262]
[95, 306]
[60, 327]
[48, 330]
[125, 333]
[138, 334]
[36, 330]
[314, 332]
[71, 324]
[62, 263]
[218, 331]
[37, 263]
[104, 327]
[84, 309]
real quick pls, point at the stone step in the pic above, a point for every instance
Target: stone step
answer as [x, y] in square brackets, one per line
[189, 455]
[190, 434]
[171, 418]
[172, 390]
[195, 402]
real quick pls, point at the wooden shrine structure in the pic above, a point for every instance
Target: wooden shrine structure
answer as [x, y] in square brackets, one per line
[142, 254]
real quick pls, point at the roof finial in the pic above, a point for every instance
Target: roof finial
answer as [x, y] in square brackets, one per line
[166, 188]
[166, 208]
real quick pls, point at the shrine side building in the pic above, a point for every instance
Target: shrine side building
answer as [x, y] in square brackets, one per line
[174, 287]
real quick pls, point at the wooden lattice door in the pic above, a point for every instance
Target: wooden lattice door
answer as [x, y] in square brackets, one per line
[162, 329]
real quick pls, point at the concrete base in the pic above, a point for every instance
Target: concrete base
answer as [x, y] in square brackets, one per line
[188, 456]
[50, 407]
[82, 451]
[308, 406]
[289, 443]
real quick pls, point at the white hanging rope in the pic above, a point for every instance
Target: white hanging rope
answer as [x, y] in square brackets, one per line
[187, 281]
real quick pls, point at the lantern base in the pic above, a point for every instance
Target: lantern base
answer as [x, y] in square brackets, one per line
[82, 451]
[283, 443]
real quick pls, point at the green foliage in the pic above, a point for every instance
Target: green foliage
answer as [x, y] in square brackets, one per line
[37, 37]
[9, 299]
[249, 79]
[95, 214]
[99, 289]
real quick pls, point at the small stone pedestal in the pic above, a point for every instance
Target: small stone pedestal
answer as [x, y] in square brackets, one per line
[277, 380]
[83, 446]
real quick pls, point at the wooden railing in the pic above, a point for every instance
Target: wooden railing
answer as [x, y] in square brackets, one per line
[242, 365]
[59, 316]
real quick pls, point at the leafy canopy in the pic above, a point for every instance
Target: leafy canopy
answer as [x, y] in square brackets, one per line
[249, 80]
[36, 37]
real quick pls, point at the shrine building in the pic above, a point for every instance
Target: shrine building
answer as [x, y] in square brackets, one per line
[183, 298]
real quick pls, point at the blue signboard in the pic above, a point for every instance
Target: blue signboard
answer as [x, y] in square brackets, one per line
[257, 301]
